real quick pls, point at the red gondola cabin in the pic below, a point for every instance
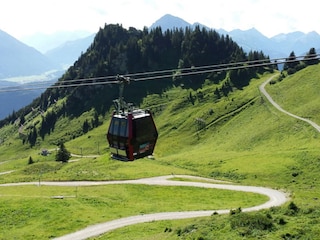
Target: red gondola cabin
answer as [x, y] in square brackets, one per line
[132, 134]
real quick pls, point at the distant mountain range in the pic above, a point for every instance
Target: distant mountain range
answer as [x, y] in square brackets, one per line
[19, 59]
[278, 46]
[67, 53]
[45, 42]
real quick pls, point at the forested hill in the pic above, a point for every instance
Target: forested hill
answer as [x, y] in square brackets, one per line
[116, 50]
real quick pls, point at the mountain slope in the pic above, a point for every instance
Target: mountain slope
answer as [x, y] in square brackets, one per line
[18, 59]
[46, 42]
[67, 53]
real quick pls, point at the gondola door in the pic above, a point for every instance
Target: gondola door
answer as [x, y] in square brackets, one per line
[119, 136]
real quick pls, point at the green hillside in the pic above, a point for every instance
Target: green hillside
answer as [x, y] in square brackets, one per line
[246, 140]
[237, 136]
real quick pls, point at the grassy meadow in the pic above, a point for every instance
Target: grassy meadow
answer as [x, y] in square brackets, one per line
[245, 140]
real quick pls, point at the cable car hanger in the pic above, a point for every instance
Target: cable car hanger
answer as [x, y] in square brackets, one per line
[120, 104]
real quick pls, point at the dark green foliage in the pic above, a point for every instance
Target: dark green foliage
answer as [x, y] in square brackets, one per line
[85, 126]
[63, 155]
[249, 223]
[311, 58]
[293, 65]
[191, 98]
[292, 209]
[186, 230]
[226, 88]
[95, 121]
[217, 93]
[48, 123]
[30, 161]
[32, 136]
[22, 120]
[235, 211]
[282, 221]
[240, 77]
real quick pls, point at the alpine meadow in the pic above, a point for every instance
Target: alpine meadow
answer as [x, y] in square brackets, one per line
[214, 123]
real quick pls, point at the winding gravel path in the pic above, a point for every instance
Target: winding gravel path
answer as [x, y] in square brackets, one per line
[276, 198]
[276, 105]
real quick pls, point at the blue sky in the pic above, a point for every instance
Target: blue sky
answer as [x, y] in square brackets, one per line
[22, 18]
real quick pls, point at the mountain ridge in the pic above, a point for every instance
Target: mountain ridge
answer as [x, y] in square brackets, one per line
[19, 59]
[251, 39]
[67, 53]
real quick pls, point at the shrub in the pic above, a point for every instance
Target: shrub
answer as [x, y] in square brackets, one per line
[30, 161]
[292, 209]
[247, 224]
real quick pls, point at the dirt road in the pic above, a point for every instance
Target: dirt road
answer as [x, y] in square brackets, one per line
[264, 92]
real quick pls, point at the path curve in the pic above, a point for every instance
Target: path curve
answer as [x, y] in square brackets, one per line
[276, 198]
[264, 92]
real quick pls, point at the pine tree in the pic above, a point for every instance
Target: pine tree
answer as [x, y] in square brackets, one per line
[63, 155]
[32, 136]
[291, 63]
[30, 161]
[311, 57]
[85, 126]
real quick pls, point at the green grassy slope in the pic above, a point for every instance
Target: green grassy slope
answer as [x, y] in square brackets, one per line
[245, 140]
[299, 93]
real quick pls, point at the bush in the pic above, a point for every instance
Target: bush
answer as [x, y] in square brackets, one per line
[292, 209]
[247, 223]
[30, 161]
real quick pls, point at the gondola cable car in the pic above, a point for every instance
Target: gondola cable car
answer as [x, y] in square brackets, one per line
[132, 133]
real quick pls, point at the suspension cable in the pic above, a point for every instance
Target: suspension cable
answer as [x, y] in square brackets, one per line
[162, 74]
